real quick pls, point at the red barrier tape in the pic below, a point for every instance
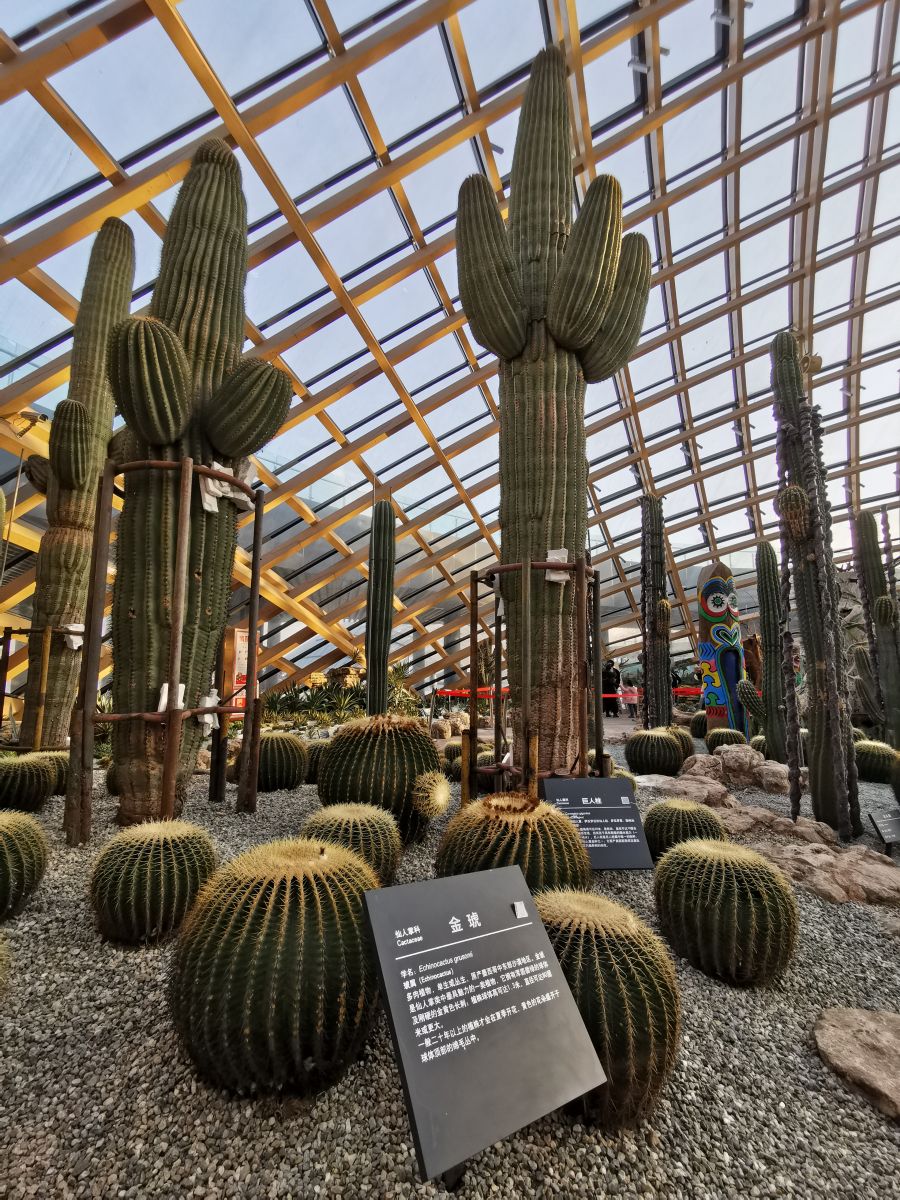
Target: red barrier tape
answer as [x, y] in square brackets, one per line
[486, 693]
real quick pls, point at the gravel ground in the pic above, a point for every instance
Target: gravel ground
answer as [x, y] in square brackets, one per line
[97, 1098]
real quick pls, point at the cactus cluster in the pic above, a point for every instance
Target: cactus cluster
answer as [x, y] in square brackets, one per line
[654, 752]
[769, 710]
[727, 910]
[377, 760]
[698, 724]
[146, 878]
[624, 984]
[368, 831]
[79, 433]
[23, 860]
[379, 607]
[26, 782]
[273, 983]
[179, 381]
[512, 829]
[283, 762]
[724, 737]
[673, 821]
[874, 761]
[805, 516]
[655, 617]
[560, 305]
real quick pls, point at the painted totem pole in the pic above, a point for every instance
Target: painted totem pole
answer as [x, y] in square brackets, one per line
[721, 652]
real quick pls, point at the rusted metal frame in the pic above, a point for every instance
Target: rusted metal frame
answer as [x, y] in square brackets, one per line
[583, 683]
[470, 736]
[249, 757]
[602, 761]
[4, 666]
[218, 757]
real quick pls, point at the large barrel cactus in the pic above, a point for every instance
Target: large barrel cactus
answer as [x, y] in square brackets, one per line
[283, 760]
[683, 737]
[377, 760]
[654, 752]
[727, 910]
[379, 607]
[59, 762]
[146, 878]
[183, 389]
[26, 782]
[724, 737]
[511, 829]
[624, 984]
[698, 724]
[23, 860]
[768, 710]
[273, 982]
[79, 434]
[805, 516]
[559, 304]
[655, 617]
[673, 821]
[368, 831]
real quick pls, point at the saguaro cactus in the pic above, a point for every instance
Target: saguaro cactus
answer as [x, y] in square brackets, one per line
[805, 515]
[655, 617]
[78, 438]
[881, 621]
[379, 607]
[179, 380]
[559, 304]
[887, 635]
[768, 711]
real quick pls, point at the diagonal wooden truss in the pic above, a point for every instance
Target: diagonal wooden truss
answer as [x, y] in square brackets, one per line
[314, 615]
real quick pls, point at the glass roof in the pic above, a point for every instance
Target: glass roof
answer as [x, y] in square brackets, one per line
[758, 148]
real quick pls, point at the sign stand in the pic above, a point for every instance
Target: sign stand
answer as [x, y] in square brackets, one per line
[607, 818]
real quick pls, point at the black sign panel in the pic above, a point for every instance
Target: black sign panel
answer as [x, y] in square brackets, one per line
[487, 1034]
[607, 818]
[887, 825]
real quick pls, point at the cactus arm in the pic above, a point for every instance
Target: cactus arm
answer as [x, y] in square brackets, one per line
[752, 702]
[615, 340]
[248, 409]
[379, 607]
[151, 379]
[583, 289]
[70, 444]
[489, 286]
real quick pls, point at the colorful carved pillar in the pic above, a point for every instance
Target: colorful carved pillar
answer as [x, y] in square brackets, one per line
[721, 652]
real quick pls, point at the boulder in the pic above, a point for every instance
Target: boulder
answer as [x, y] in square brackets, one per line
[703, 764]
[888, 920]
[699, 788]
[440, 730]
[740, 765]
[863, 1047]
[836, 874]
[753, 819]
[204, 758]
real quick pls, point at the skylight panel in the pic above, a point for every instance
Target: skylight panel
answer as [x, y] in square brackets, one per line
[357, 236]
[433, 189]
[427, 87]
[831, 287]
[690, 37]
[651, 369]
[697, 218]
[763, 318]
[468, 409]
[711, 395]
[711, 341]
[767, 180]
[769, 93]
[837, 219]
[763, 16]
[629, 166]
[880, 326]
[764, 253]
[854, 61]
[694, 136]
[280, 282]
[421, 368]
[386, 457]
[609, 84]
[700, 286]
[846, 146]
[25, 322]
[492, 57]
[887, 206]
[317, 357]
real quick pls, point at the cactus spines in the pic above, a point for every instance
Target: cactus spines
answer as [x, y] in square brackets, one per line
[557, 303]
[379, 607]
[724, 737]
[78, 436]
[698, 724]
[368, 831]
[653, 752]
[751, 701]
[430, 796]
[673, 821]
[727, 910]
[37, 471]
[26, 782]
[248, 409]
[624, 984]
[683, 737]
[283, 760]
[23, 861]
[273, 982]
[176, 372]
[874, 761]
[377, 760]
[806, 549]
[452, 750]
[59, 761]
[512, 829]
[771, 619]
[146, 878]
[314, 751]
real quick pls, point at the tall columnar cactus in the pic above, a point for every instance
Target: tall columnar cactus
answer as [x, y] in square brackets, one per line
[560, 305]
[273, 980]
[655, 617]
[887, 635]
[183, 389]
[768, 711]
[78, 437]
[805, 516]
[23, 860]
[624, 984]
[880, 685]
[379, 607]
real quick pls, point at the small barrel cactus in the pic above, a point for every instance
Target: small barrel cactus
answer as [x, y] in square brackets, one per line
[377, 760]
[59, 761]
[874, 761]
[673, 821]
[698, 724]
[283, 760]
[619, 774]
[430, 796]
[452, 768]
[509, 829]
[273, 981]
[146, 878]
[758, 743]
[653, 752]
[724, 737]
[683, 737]
[26, 782]
[23, 860]
[624, 984]
[452, 750]
[314, 751]
[365, 829]
[727, 910]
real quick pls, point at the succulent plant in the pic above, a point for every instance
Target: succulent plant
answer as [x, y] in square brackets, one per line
[758, 744]
[875, 761]
[379, 607]
[146, 878]
[509, 829]
[683, 737]
[698, 724]
[273, 982]
[619, 774]
[624, 984]
[431, 795]
[283, 761]
[180, 383]
[23, 860]
[314, 750]
[79, 433]
[377, 760]
[452, 750]
[880, 676]
[59, 761]
[673, 821]
[559, 304]
[769, 709]
[368, 831]
[727, 910]
[26, 782]
[653, 752]
[724, 737]
[655, 617]
[886, 617]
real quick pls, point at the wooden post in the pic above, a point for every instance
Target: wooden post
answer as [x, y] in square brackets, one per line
[466, 795]
[597, 664]
[581, 658]
[4, 668]
[218, 758]
[174, 715]
[46, 637]
[525, 698]
[249, 758]
[497, 697]
[473, 686]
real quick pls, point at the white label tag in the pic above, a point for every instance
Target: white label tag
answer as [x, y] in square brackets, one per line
[520, 910]
[557, 576]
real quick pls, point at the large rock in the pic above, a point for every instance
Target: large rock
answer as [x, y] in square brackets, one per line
[707, 765]
[699, 788]
[838, 875]
[863, 1047]
[740, 765]
[753, 819]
